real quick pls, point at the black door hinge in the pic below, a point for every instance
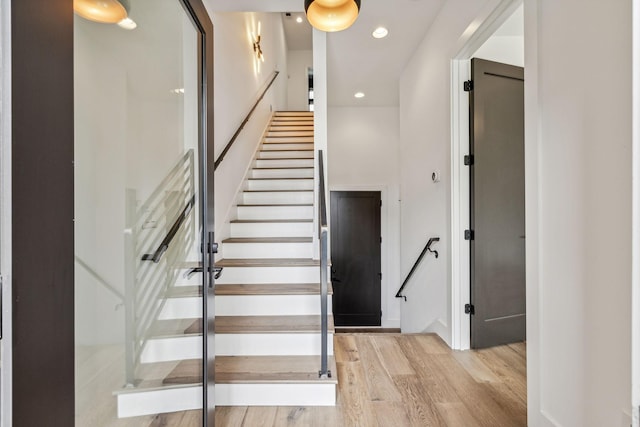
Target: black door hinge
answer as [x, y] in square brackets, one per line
[468, 86]
[468, 160]
[469, 309]
[380, 276]
[468, 235]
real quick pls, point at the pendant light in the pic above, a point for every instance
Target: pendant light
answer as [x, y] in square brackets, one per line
[105, 11]
[332, 15]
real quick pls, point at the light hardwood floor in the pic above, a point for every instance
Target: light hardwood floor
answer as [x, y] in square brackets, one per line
[401, 380]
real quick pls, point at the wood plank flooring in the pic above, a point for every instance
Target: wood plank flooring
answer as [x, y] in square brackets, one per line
[401, 380]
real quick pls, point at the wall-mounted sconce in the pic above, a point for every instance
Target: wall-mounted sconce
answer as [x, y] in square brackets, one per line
[332, 15]
[105, 11]
[257, 49]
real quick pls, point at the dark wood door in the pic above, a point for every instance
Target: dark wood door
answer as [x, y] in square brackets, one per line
[497, 204]
[355, 257]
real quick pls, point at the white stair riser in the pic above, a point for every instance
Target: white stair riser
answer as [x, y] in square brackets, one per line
[284, 163]
[274, 229]
[181, 308]
[277, 197]
[281, 114]
[281, 126]
[280, 184]
[285, 140]
[267, 250]
[172, 348]
[159, 401]
[275, 394]
[269, 305]
[190, 347]
[253, 275]
[190, 397]
[285, 146]
[275, 212]
[289, 154]
[284, 134]
[299, 121]
[305, 344]
[282, 173]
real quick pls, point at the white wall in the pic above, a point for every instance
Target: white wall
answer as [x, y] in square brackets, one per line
[425, 137]
[578, 170]
[299, 61]
[238, 82]
[364, 156]
[505, 49]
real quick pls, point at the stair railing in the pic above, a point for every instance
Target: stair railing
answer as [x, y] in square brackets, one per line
[159, 235]
[426, 249]
[244, 122]
[323, 232]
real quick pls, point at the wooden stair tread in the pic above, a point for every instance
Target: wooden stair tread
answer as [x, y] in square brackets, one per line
[288, 149]
[276, 204]
[264, 325]
[277, 179]
[255, 370]
[268, 262]
[283, 167]
[271, 289]
[270, 221]
[278, 191]
[284, 158]
[268, 240]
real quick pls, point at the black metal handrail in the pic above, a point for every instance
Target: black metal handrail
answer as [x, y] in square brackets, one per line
[323, 237]
[244, 122]
[426, 249]
[164, 245]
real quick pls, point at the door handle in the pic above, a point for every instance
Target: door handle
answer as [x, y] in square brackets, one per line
[217, 272]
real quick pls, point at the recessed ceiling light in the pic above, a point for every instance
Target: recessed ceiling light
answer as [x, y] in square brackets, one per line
[359, 95]
[299, 19]
[128, 24]
[380, 32]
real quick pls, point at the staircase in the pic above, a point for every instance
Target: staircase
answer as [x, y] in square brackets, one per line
[267, 299]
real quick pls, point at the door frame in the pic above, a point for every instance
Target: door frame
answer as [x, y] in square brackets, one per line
[635, 281]
[386, 286]
[5, 213]
[485, 25]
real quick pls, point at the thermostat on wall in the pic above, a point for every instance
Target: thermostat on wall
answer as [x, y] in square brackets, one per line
[435, 176]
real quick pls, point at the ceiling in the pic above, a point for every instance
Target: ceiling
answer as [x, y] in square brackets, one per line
[357, 61]
[298, 34]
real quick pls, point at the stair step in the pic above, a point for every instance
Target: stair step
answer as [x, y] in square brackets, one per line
[284, 163]
[250, 271]
[279, 146]
[255, 370]
[277, 184]
[291, 121]
[279, 114]
[287, 140]
[267, 247]
[282, 173]
[279, 127]
[272, 228]
[300, 211]
[289, 134]
[277, 197]
[286, 154]
[284, 262]
[270, 289]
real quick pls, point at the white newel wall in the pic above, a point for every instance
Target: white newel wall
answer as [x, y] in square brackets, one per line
[299, 61]
[364, 156]
[239, 79]
[578, 142]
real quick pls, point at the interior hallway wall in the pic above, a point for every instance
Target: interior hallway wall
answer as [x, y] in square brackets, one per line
[364, 156]
[578, 168]
[239, 78]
